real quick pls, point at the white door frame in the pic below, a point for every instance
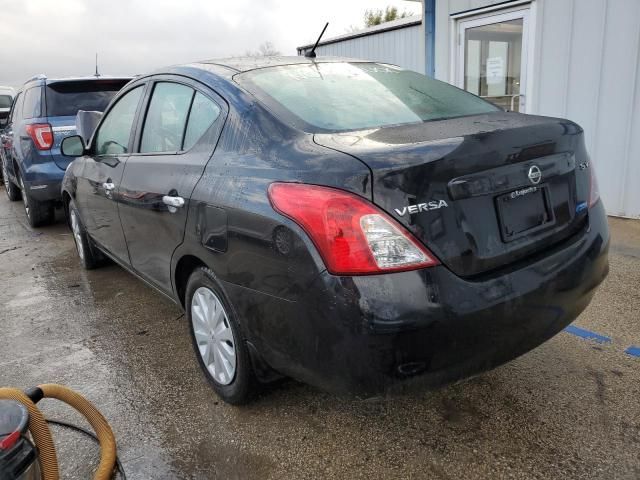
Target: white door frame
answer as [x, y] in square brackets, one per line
[520, 9]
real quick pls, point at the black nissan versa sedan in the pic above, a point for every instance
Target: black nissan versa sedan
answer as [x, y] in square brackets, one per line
[349, 224]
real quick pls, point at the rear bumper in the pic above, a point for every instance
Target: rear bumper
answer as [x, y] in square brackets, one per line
[367, 334]
[43, 181]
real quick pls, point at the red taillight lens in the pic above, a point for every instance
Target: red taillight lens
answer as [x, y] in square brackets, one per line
[41, 134]
[594, 191]
[353, 236]
[9, 441]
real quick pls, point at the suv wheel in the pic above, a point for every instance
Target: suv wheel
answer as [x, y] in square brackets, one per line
[89, 257]
[12, 191]
[217, 341]
[38, 213]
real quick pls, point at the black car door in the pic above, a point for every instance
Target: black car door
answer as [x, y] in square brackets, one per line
[9, 134]
[176, 139]
[97, 184]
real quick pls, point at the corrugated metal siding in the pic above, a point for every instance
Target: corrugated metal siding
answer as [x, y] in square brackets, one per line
[403, 47]
[588, 71]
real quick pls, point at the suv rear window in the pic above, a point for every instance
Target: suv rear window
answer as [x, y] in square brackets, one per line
[5, 101]
[66, 98]
[353, 96]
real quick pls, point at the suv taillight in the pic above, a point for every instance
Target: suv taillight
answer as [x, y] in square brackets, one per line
[353, 236]
[41, 134]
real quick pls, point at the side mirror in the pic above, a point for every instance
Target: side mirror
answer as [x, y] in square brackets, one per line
[72, 146]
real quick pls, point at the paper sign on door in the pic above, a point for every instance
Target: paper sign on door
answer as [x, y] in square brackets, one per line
[495, 70]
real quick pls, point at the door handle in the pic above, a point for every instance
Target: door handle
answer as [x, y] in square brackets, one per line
[108, 186]
[171, 201]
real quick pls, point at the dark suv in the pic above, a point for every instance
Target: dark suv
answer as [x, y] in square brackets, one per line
[42, 114]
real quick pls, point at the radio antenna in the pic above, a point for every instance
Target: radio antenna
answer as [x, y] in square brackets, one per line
[97, 72]
[312, 53]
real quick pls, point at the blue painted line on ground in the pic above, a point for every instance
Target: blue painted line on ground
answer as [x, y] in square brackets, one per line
[633, 351]
[582, 333]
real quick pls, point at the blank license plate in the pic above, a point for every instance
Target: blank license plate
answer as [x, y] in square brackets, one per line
[524, 211]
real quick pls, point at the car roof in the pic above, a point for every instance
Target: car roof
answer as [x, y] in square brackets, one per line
[244, 64]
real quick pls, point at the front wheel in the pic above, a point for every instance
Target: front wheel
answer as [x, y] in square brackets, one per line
[217, 340]
[88, 255]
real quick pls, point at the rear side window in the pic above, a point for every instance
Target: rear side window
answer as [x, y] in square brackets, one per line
[5, 101]
[115, 131]
[32, 107]
[204, 113]
[64, 99]
[166, 118]
[17, 106]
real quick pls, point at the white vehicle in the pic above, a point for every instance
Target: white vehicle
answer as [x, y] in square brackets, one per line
[6, 99]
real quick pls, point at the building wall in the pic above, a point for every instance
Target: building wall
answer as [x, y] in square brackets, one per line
[586, 67]
[403, 47]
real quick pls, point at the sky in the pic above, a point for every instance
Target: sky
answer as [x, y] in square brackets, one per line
[61, 37]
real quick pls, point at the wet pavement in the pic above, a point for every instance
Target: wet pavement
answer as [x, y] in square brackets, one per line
[568, 409]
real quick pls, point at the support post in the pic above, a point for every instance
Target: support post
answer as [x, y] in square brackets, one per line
[429, 27]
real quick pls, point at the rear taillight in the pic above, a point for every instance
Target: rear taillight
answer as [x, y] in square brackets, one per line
[353, 236]
[41, 134]
[594, 191]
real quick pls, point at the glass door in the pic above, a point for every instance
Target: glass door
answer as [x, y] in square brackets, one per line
[492, 58]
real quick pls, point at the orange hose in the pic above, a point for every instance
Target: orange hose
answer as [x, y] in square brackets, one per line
[97, 421]
[39, 431]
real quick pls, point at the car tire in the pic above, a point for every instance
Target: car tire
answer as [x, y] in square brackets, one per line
[88, 254]
[13, 192]
[38, 213]
[217, 339]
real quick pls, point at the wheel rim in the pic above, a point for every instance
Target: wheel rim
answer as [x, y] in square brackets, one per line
[5, 177]
[24, 198]
[77, 234]
[213, 334]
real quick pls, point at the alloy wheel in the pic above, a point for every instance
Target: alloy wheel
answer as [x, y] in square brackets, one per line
[77, 234]
[213, 335]
[5, 177]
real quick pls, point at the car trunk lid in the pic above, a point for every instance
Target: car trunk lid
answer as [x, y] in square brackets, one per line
[482, 192]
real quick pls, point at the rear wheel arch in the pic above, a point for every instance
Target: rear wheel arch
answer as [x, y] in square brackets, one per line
[184, 268]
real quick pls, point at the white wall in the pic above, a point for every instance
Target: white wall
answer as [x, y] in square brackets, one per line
[586, 67]
[403, 47]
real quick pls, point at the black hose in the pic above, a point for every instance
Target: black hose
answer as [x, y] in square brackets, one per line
[60, 423]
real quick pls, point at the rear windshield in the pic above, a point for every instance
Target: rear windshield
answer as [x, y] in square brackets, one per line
[353, 96]
[5, 101]
[66, 98]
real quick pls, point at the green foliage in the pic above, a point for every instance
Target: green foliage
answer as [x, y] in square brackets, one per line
[376, 17]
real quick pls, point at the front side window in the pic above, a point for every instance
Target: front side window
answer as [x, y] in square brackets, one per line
[354, 96]
[32, 103]
[164, 125]
[115, 131]
[204, 112]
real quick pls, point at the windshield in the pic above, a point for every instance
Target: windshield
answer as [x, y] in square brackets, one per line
[5, 101]
[66, 98]
[353, 96]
